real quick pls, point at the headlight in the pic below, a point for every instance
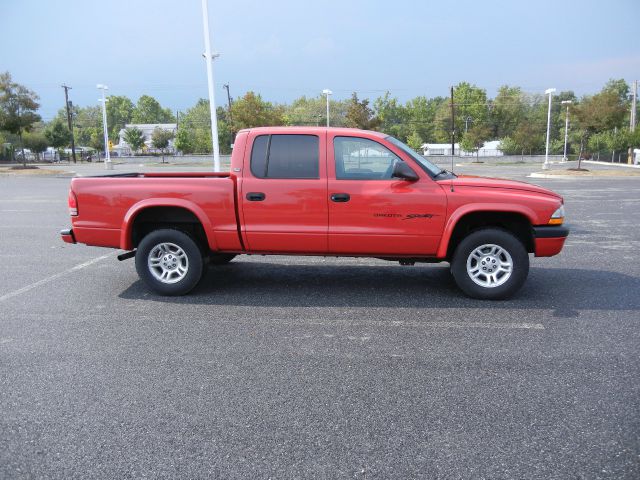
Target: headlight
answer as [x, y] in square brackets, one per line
[558, 216]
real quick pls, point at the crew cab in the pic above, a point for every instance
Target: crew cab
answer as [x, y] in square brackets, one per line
[320, 191]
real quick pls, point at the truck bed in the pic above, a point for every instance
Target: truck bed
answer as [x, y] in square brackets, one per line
[109, 204]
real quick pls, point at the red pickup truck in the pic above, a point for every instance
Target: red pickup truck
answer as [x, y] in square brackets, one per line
[320, 191]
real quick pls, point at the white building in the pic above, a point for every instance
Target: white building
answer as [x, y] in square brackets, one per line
[489, 149]
[429, 149]
[147, 131]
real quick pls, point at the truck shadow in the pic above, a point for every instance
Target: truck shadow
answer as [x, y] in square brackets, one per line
[264, 284]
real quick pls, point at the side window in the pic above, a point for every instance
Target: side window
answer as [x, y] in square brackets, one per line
[362, 159]
[285, 156]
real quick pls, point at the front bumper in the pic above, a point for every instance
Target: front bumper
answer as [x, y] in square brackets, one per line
[549, 239]
[67, 235]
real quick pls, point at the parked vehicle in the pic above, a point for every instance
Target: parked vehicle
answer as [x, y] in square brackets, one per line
[320, 191]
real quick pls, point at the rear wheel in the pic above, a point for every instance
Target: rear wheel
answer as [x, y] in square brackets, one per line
[490, 264]
[169, 262]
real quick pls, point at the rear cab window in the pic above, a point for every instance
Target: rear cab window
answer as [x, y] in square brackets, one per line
[286, 156]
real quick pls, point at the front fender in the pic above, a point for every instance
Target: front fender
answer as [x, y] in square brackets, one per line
[460, 212]
[126, 241]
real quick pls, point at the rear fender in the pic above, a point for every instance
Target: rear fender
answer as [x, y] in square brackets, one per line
[126, 241]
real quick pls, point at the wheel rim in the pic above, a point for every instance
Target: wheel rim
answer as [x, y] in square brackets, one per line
[168, 262]
[489, 265]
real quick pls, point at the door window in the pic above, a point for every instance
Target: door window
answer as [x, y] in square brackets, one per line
[362, 159]
[285, 156]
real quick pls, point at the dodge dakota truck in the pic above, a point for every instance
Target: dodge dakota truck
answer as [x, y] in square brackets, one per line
[320, 191]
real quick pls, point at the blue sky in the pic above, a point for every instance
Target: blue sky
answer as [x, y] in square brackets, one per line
[284, 49]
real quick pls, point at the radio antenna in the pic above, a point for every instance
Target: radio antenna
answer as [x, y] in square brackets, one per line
[453, 136]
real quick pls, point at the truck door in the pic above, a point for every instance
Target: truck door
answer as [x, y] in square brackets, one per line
[373, 214]
[284, 192]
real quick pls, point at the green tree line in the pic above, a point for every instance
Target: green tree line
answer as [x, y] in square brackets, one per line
[598, 122]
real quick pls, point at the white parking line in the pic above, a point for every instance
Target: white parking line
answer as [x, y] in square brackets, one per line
[22, 290]
[403, 323]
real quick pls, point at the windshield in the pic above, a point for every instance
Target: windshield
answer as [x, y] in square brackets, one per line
[426, 165]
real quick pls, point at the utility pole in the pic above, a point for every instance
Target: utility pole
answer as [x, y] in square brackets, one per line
[226, 87]
[233, 136]
[69, 122]
[632, 117]
[566, 128]
[453, 128]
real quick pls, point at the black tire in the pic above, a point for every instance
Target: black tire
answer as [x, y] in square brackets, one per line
[505, 284]
[184, 273]
[221, 258]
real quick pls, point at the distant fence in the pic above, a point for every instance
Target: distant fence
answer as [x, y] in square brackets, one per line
[446, 160]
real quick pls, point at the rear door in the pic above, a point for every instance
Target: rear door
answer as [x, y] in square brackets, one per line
[284, 193]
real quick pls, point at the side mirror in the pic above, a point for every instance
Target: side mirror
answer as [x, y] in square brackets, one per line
[404, 171]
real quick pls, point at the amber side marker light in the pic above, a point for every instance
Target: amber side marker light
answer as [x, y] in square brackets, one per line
[558, 216]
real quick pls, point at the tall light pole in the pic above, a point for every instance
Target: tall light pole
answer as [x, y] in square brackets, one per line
[548, 91]
[212, 101]
[327, 92]
[107, 158]
[466, 123]
[566, 128]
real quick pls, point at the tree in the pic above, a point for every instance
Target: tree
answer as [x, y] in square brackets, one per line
[57, 133]
[474, 139]
[251, 111]
[160, 139]
[18, 106]
[616, 141]
[194, 130]
[360, 115]
[134, 138]
[470, 102]
[415, 142]
[603, 111]
[149, 110]
[37, 142]
[526, 138]
[119, 113]
[421, 116]
[183, 141]
[87, 125]
[508, 110]
[393, 117]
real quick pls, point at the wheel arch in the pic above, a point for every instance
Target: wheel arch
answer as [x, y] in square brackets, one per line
[150, 214]
[516, 219]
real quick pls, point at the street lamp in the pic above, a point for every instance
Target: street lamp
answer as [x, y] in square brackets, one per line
[548, 91]
[327, 92]
[212, 101]
[466, 123]
[566, 128]
[107, 158]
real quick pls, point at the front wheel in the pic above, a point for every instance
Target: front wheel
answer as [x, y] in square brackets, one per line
[169, 262]
[490, 264]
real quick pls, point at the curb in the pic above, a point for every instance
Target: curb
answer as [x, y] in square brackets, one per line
[609, 164]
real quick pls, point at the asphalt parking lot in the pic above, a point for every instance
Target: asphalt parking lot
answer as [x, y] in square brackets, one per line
[285, 367]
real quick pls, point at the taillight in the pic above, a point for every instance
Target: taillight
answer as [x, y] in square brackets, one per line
[73, 204]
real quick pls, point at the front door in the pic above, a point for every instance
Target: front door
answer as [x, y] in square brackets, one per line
[371, 213]
[284, 193]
